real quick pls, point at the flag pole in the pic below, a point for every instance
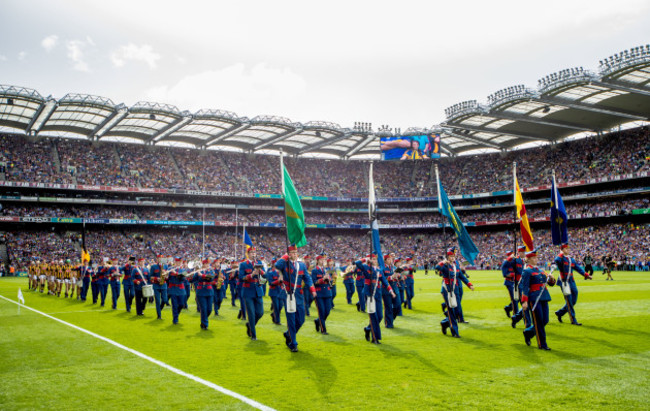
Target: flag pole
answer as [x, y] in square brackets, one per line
[514, 200]
[554, 199]
[442, 217]
[203, 239]
[371, 205]
[286, 222]
[236, 231]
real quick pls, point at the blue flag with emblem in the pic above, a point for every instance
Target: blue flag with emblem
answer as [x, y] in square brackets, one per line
[467, 247]
[559, 218]
[374, 224]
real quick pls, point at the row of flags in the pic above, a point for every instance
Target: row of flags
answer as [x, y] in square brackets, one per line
[295, 218]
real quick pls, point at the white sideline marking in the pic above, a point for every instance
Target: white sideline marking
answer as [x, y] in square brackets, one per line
[209, 384]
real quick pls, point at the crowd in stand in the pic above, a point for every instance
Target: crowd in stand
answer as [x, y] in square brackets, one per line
[160, 167]
[612, 207]
[627, 243]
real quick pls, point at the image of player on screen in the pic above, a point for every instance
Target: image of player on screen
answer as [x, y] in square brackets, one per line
[414, 152]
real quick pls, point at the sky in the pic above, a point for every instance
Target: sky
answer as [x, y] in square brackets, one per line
[394, 63]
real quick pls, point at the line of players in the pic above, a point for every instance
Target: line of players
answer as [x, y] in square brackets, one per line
[292, 287]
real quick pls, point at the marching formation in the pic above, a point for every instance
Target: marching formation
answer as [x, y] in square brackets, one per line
[384, 283]
[293, 286]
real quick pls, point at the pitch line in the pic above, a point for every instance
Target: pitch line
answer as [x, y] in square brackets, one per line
[209, 384]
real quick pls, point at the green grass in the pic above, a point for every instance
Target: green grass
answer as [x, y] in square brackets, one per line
[603, 364]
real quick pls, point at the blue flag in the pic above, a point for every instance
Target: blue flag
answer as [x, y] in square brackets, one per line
[467, 247]
[559, 218]
[374, 225]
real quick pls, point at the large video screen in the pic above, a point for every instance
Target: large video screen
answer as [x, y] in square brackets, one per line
[410, 147]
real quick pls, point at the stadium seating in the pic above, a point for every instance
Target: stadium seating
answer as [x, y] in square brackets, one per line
[160, 167]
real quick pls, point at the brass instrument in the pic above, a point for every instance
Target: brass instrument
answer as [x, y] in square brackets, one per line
[333, 276]
[220, 281]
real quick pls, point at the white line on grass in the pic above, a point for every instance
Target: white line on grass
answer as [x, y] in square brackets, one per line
[209, 384]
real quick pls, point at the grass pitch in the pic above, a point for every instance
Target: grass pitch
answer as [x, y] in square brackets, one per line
[603, 364]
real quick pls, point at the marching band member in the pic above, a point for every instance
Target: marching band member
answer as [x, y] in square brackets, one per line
[305, 295]
[250, 272]
[451, 274]
[348, 281]
[186, 283]
[398, 287]
[508, 272]
[95, 284]
[566, 264]
[535, 296]
[462, 276]
[322, 281]
[276, 292]
[519, 264]
[331, 269]
[388, 299]
[240, 295]
[232, 282]
[127, 283]
[139, 280]
[86, 274]
[114, 275]
[373, 283]
[218, 281]
[204, 291]
[359, 283]
[157, 279]
[409, 282]
[293, 273]
[176, 290]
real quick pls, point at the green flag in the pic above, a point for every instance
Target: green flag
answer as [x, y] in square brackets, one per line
[295, 217]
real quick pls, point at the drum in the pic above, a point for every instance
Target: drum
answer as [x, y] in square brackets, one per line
[291, 303]
[147, 291]
[453, 303]
[370, 305]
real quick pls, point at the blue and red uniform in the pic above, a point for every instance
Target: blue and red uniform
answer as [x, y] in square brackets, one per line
[204, 294]
[159, 290]
[294, 275]
[176, 293]
[323, 297]
[533, 283]
[566, 266]
[361, 304]
[252, 294]
[374, 281]
[276, 292]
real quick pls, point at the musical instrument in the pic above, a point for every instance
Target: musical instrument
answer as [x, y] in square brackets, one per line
[220, 281]
[147, 291]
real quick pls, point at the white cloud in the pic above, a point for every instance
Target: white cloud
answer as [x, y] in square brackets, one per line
[258, 90]
[22, 55]
[76, 53]
[49, 42]
[133, 52]
[3, 57]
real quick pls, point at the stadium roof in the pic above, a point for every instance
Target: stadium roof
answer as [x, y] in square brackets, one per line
[563, 104]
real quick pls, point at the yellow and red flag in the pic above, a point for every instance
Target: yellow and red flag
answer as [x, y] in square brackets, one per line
[524, 225]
